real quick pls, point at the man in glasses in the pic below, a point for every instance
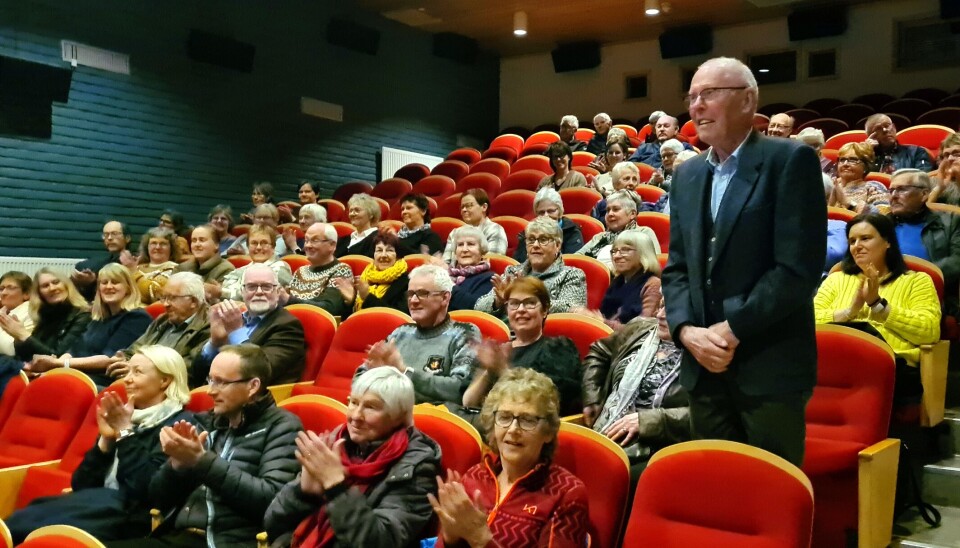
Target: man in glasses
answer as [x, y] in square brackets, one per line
[315, 284]
[278, 333]
[437, 353]
[891, 155]
[116, 238]
[747, 244]
[226, 471]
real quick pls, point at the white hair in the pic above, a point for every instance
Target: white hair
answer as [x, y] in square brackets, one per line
[441, 278]
[570, 120]
[329, 232]
[623, 198]
[391, 386]
[318, 212]
[672, 144]
[545, 226]
[810, 136]
[731, 64]
[191, 285]
[655, 115]
[547, 194]
[920, 178]
[253, 267]
[618, 170]
[468, 231]
[602, 116]
[683, 156]
[615, 134]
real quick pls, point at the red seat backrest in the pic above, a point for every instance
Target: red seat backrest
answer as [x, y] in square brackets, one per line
[466, 155]
[598, 277]
[343, 192]
[579, 200]
[319, 328]
[535, 163]
[515, 203]
[489, 182]
[660, 224]
[11, 393]
[392, 189]
[460, 444]
[450, 206]
[589, 227]
[437, 187]
[412, 172]
[510, 140]
[524, 179]
[336, 212]
[318, 414]
[512, 226]
[490, 327]
[455, 169]
[582, 330]
[443, 226]
[496, 166]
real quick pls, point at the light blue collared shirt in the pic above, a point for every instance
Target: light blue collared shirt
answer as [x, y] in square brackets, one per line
[239, 335]
[722, 174]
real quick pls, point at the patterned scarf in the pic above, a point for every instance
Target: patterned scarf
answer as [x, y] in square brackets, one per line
[380, 280]
[606, 238]
[315, 531]
[461, 273]
[404, 231]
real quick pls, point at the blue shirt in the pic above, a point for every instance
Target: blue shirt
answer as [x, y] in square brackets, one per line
[722, 173]
[908, 234]
[239, 335]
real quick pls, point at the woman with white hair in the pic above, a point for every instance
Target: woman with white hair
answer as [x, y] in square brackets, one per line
[547, 203]
[470, 272]
[621, 215]
[364, 214]
[567, 285]
[625, 176]
[668, 155]
[308, 215]
[474, 206]
[366, 482]
[109, 497]
[814, 137]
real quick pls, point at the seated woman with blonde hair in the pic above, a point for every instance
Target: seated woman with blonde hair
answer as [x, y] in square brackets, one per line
[109, 497]
[158, 260]
[635, 289]
[489, 505]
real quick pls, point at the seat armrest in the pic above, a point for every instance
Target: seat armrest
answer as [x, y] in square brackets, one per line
[282, 391]
[877, 474]
[574, 419]
[933, 377]
[156, 518]
[262, 540]
[11, 480]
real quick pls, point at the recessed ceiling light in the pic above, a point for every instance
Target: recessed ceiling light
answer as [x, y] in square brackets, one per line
[520, 23]
[651, 7]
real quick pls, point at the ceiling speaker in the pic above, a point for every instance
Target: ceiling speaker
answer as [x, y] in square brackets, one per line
[353, 36]
[576, 56]
[817, 23]
[455, 47]
[220, 51]
[686, 41]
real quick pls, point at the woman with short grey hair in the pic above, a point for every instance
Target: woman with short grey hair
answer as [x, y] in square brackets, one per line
[470, 271]
[364, 214]
[547, 203]
[621, 215]
[365, 483]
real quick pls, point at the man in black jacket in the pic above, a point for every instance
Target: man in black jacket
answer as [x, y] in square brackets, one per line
[219, 480]
[116, 238]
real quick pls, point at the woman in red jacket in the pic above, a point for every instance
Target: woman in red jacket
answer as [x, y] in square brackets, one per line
[517, 497]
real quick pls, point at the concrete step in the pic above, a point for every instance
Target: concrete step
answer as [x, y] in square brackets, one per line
[912, 532]
[952, 419]
[941, 482]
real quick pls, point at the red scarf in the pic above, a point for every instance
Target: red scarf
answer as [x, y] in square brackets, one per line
[315, 531]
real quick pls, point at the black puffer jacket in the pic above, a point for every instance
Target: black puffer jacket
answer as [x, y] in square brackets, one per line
[242, 470]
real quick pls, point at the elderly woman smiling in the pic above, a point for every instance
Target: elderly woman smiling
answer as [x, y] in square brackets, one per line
[158, 259]
[489, 505]
[382, 283]
[547, 203]
[364, 214]
[567, 286]
[260, 240]
[474, 206]
[416, 236]
[365, 483]
[470, 272]
[850, 190]
[621, 215]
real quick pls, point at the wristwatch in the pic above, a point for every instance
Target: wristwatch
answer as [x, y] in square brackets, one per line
[878, 306]
[125, 433]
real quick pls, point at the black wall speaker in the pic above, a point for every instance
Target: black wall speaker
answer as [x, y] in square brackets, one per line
[220, 50]
[817, 23]
[35, 82]
[576, 56]
[686, 41]
[949, 9]
[353, 36]
[455, 47]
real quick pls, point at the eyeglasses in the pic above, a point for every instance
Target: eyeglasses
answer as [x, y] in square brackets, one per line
[220, 383]
[849, 160]
[622, 251]
[167, 298]
[504, 419]
[903, 189]
[542, 240]
[253, 288]
[318, 241]
[950, 154]
[549, 212]
[107, 235]
[421, 294]
[526, 304]
[708, 94]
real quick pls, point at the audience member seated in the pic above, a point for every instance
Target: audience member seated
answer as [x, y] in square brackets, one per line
[781, 125]
[569, 125]
[205, 261]
[437, 353]
[220, 477]
[109, 487]
[314, 284]
[625, 177]
[946, 180]
[171, 219]
[116, 238]
[118, 319]
[561, 161]
[635, 289]
[491, 504]
[601, 125]
[470, 272]
[814, 138]
[662, 205]
[265, 323]
[666, 128]
[262, 193]
[616, 153]
[836, 234]
[850, 191]
[547, 203]
[307, 193]
[930, 235]
[890, 154]
[631, 388]
[621, 215]
[184, 326]
[364, 214]
[474, 206]
[60, 317]
[158, 258]
[15, 302]
[652, 122]
[366, 482]
[221, 219]
[382, 283]
[416, 236]
[567, 285]
[877, 293]
[556, 357]
[668, 156]
[260, 240]
[308, 215]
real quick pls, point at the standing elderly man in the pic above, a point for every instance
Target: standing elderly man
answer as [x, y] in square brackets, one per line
[781, 125]
[747, 241]
[568, 133]
[665, 129]
[436, 352]
[890, 154]
[265, 323]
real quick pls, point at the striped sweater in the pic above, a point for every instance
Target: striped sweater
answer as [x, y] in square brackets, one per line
[914, 317]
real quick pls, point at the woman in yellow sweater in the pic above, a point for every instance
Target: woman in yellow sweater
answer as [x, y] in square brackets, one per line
[876, 287]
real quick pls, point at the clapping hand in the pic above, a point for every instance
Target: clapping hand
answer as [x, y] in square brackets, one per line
[113, 415]
[346, 288]
[363, 288]
[492, 356]
[225, 317]
[460, 517]
[385, 353]
[321, 466]
[183, 444]
[290, 237]
[500, 283]
[83, 278]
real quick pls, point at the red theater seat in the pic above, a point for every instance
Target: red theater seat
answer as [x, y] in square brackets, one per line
[343, 192]
[509, 140]
[579, 200]
[545, 137]
[598, 277]
[660, 224]
[392, 189]
[466, 155]
[488, 182]
[318, 413]
[412, 172]
[443, 226]
[536, 163]
[460, 443]
[496, 166]
[840, 139]
[525, 179]
[506, 154]
[490, 326]
[319, 328]
[455, 169]
[513, 226]
[516, 203]
[450, 206]
[499, 263]
[336, 212]
[589, 226]
[582, 330]
[437, 187]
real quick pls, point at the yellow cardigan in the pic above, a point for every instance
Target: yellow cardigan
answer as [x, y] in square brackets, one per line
[914, 317]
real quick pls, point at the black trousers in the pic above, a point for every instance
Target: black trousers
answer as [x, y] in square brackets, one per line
[177, 538]
[774, 423]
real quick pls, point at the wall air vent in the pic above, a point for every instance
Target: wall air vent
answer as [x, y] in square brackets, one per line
[89, 56]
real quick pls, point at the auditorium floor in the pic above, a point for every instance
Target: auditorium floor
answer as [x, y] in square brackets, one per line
[923, 536]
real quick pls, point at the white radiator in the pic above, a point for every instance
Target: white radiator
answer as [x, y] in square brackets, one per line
[392, 159]
[30, 265]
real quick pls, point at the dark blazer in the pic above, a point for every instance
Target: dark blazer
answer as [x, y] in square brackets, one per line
[769, 251]
[280, 335]
[363, 247]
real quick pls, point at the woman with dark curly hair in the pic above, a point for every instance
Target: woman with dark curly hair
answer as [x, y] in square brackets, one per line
[416, 236]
